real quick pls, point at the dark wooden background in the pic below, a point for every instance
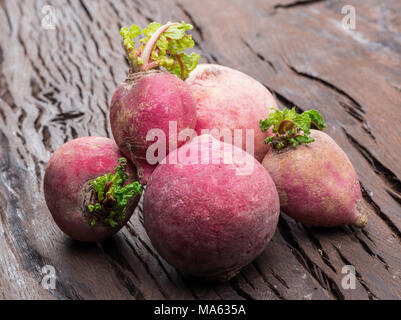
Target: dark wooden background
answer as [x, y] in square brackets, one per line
[56, 85]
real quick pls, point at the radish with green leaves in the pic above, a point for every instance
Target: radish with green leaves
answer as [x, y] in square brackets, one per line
[89, 188]
[154, 93]
[316, 181]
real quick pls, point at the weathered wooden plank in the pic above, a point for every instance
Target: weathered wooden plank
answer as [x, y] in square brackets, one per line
[56, 85]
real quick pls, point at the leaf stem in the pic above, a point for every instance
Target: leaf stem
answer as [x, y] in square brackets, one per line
[147, 51]
[181, 66]
[152, 65]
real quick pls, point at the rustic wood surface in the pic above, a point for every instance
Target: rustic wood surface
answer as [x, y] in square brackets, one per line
[56, 85]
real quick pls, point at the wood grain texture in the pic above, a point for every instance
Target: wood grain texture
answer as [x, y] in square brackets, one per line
[56, 85]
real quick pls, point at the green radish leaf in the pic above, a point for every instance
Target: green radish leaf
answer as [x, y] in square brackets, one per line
[316, 119]
[168, 51]
[303, 139]
[111, 195]
[291, 128]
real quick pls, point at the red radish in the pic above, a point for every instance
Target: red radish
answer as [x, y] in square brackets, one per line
[210, 218]
[86, 199]
[229, 99]
[150, 98]
[315, 179]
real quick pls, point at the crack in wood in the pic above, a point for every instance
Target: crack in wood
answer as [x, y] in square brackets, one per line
[299, 3]
[37, 121]
[21, 137]
[354, 109]
[151, 252]
[46, 138]
[258, 55]
[137, 6]
[191, 20]
[117, 14]
[121, 267]
[5, 93]
[365, 246]
[366, 234]
[21, 118]
[280, 279]
[44, 64]
[241, 292]
[313, 269]
[4, 7]
[370, 293]
[271, 287]
[147, 268]
[381, 170]
[322, 253]
[395, 196]
[86, 10]
[58, 69]
[74, 133]
[50, 96]
[368, 250]
[249, 282]
[192, 283]
[22, 157]
[331, 86]
[376, 208]
[204, 53]
[287, 103]
[63, 116]
[65, 291]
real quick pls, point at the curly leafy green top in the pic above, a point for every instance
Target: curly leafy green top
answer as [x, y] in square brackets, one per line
[291, 128]
[112, 197]
[162, 46]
